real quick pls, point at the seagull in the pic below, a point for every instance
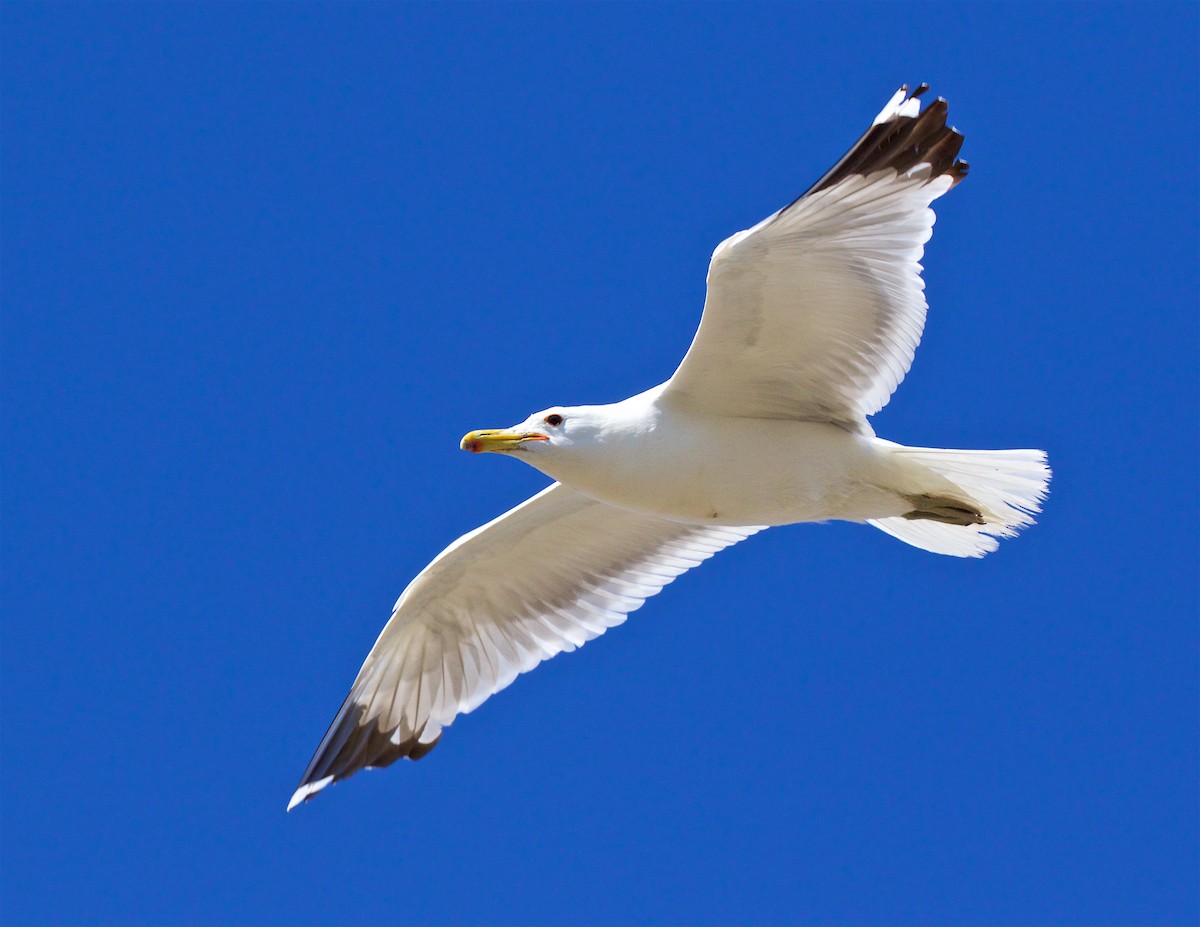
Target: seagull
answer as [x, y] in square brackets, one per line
[810, 323]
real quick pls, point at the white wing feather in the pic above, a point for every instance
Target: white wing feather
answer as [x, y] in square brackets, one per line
[814, 314]
[545, 577]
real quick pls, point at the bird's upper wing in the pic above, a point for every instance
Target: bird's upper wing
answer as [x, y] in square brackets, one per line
[814, 313]
[550, 574]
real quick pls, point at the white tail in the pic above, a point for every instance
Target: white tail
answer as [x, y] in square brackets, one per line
[1007, 486]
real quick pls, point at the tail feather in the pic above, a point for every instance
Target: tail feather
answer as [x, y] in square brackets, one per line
[1007, 487]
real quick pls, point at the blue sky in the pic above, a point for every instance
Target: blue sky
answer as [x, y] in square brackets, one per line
[263, 265]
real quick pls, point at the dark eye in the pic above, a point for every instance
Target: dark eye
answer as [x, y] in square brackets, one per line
[554, 419]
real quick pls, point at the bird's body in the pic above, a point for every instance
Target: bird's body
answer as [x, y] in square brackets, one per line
[656, 457]
[811, 321]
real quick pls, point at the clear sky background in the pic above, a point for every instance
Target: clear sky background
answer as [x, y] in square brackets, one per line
[264, 264]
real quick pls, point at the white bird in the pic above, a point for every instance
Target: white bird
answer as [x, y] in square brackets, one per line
[810, 323]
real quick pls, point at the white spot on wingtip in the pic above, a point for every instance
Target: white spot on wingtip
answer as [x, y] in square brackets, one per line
[305, 792]
[893, 106]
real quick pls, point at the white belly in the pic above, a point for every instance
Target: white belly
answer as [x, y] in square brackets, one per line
[743, 472]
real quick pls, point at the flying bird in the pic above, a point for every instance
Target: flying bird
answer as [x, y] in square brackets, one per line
[810, 323]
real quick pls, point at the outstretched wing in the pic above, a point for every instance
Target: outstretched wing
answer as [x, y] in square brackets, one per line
[814, 313]
[545, 577]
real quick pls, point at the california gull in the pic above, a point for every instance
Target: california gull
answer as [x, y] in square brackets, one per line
[810, 322]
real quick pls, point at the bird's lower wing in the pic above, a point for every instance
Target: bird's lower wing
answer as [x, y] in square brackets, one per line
[815, 313]
[545, 577]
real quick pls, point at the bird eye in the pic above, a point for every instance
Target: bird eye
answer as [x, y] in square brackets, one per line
[554, 419]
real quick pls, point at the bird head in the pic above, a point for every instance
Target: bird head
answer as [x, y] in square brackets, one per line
[552, 431]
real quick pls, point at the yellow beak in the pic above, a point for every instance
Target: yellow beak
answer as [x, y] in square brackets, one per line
[497, 439]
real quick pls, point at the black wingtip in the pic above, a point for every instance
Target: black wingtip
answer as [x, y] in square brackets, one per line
[354, 742]
[902, 143]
